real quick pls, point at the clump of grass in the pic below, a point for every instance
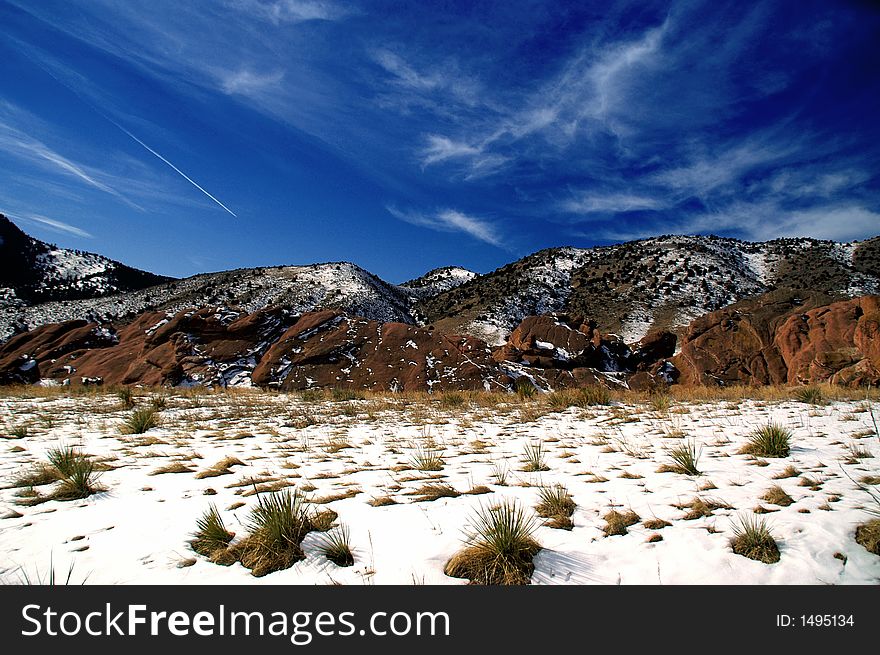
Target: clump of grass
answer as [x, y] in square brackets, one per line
[788, 472]
[382, 501]
[141, 420]
[810, 395]
[553, 501]
[593, 395]
[499, 547]
[276, 526]
[336, 546]
[698, 508]
[856, 453]
[753, 539]
[220, 468]
[813, 483]
[560, 399]
[431, 492]
[684, 459]
[42, 474]
[322, 521]
[52, 577]
[771, 440]
[524, 387]
[173, 467]
[80, 481]
[533, 457]
[776, 495]
[660, 402]
[211, 534]
[868, 535]
[499, 473]
[126, 396]
[76, 473]
[556, 504]
[451, 399]
[616, 522]
[656, 524]
[19, 431]
[64, 459]
[425, 458]
[341, 395]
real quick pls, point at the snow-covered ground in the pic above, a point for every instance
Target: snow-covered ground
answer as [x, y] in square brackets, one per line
[137, 531]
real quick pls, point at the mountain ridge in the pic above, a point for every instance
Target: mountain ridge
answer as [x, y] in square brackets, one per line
[630, 289]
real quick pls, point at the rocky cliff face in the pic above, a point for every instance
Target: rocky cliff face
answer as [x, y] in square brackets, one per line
[778, 338]
[276, 348]
[784, 338]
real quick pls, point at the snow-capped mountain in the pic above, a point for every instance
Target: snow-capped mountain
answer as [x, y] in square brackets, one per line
[438, 280]
[659, 283]
[33, 272]
[628, 289]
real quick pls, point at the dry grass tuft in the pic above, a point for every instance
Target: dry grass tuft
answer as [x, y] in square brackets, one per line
[140, 421]
[173, 467]
[616, 522]
[556, 504]
[220, 468]
[776, 495]
[753, 539]
[788, 472]
[211, 534]
[277, 526]
[500, 546]
[771, 440]
[431, 492]
[868, 535]
[382, 501]
[699, 507]
[656, 524]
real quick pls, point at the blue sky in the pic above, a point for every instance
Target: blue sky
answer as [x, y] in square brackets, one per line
[184, 137]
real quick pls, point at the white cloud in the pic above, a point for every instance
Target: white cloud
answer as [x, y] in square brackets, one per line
[450, 220]
[246, 82]
[709, 172]
[291, 11]
[588, 203]
[441, 148]
[763, 221]
[52, 224]
[21, 145]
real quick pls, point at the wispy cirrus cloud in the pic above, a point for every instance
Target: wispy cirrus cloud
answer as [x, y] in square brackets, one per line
[51, 224]
[24, 147]
[759, 221]
[292, 11]
[586, 203]
[451, 220]
[248, 82]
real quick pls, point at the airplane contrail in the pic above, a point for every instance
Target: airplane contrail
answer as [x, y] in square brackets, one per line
[177, 170]
[148, 148]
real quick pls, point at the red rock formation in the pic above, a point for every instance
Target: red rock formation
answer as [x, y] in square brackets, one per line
[776, 338]
[783, 338]
[329, 349]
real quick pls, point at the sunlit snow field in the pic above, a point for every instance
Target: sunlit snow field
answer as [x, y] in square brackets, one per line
[354, 456]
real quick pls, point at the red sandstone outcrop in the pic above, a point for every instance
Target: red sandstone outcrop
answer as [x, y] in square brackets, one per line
[778, 338]
[783, 338]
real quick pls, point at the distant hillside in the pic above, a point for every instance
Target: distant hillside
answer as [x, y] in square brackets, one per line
[34, 272]
[627, 289]
[659, 283]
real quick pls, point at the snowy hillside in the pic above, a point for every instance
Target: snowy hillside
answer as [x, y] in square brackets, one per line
[659, 283]
[33, 272]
